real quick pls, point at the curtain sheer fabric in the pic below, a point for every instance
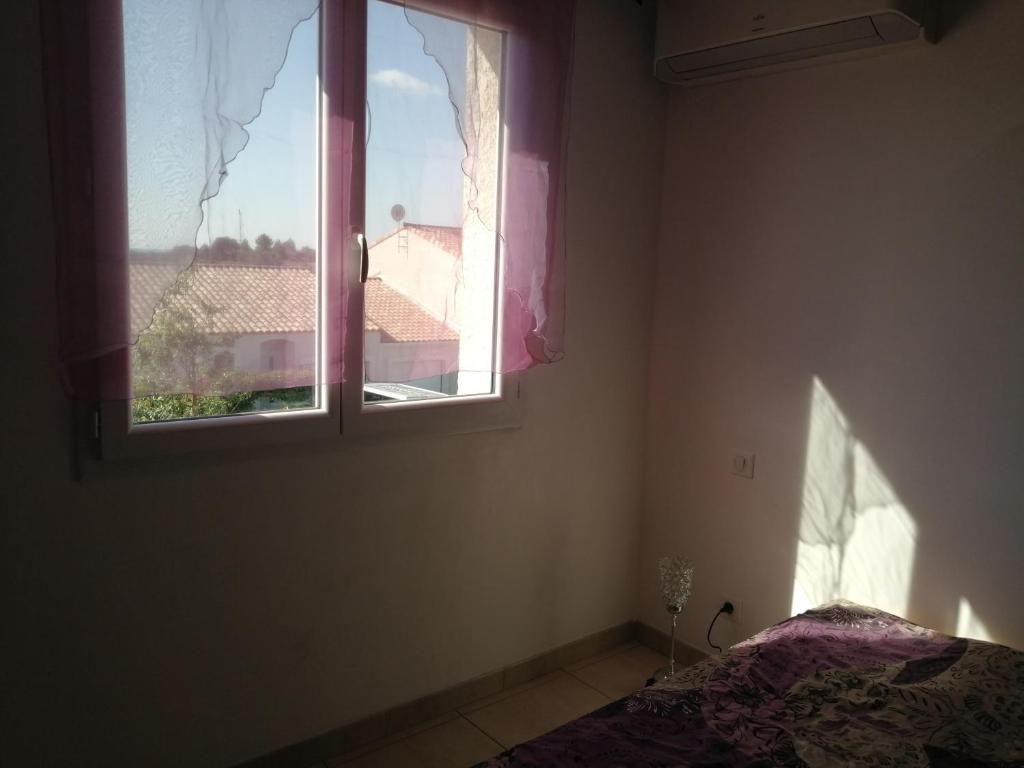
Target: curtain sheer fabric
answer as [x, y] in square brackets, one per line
[524, 48]
[145, 152]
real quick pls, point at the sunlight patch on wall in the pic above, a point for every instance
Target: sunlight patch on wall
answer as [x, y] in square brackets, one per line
[857, 540]
[968, 624]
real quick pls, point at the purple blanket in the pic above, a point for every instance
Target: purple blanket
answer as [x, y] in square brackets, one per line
[841, 685]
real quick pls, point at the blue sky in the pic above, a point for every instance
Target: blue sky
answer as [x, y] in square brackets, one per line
[414, 154]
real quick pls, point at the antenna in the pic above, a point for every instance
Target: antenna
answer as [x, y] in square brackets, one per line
[398, 214]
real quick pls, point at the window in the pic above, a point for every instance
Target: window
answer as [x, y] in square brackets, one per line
[222, 284]
[431, 296]
[305, 211]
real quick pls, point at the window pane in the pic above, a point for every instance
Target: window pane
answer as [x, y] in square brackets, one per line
[431, 212]
[224, 297]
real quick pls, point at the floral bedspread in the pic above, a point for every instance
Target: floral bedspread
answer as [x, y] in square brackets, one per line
[841, 685]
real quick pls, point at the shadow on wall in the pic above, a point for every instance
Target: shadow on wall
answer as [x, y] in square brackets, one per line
[956, 13]
[856, 538]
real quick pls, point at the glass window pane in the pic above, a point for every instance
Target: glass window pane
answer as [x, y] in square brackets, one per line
[224, 294]
[433, 150]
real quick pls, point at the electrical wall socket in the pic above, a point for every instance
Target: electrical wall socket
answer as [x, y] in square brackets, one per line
[736, 617]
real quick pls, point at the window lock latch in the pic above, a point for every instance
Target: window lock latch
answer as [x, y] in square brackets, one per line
[364, 259]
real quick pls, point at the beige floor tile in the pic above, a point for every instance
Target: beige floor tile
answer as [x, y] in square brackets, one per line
[397, 755]
[456, 743]
[623, 673]
[537, 710]
[599, 657]
[509, 692]
[379, 744]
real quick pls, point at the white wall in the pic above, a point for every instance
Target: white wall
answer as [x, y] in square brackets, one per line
[201, 615]
[862, 225]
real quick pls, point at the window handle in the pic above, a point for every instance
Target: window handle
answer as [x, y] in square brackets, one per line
[364, 259]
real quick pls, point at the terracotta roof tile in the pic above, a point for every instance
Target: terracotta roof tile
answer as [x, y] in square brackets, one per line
[446, 238]
[248, 299]
[400, 318]
[241, 298]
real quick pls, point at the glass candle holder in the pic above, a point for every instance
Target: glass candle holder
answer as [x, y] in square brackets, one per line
[676, 580]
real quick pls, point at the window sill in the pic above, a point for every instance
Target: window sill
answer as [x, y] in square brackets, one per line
[457, 415]
[311, 432]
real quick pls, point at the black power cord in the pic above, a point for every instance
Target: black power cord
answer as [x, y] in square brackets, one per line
[727, 607]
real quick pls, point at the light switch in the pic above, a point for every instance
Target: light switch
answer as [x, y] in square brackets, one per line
[743, 465]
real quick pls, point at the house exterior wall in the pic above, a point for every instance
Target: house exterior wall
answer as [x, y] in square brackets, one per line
[410, 361]
[427, 274]
[248, 351]
[481, 193]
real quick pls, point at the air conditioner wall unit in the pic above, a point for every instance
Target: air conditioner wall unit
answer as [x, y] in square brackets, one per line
[701, 41]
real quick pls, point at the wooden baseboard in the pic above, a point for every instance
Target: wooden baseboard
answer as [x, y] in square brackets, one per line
[369, 729]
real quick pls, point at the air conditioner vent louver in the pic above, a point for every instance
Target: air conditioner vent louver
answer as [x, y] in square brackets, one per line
[788, 46]
[793, 31]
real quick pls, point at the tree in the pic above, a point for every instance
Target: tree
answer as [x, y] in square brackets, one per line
[175, 362]
[224, 249]
[264, 243]
[176, 354]
[307, 258]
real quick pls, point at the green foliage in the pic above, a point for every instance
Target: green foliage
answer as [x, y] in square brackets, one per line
[188, 406]
[170, 407]
[178, 352]
[267, 252]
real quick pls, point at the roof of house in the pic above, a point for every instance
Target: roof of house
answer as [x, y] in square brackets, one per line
[237, 298]
[248, 299]
[400, 318]
[448, 239]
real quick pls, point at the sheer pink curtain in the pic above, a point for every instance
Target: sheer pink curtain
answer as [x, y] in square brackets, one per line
[537, 57]
[151, 106]
[91, 287]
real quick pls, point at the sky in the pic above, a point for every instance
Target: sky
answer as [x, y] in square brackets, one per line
[414, 156]
[414, 153]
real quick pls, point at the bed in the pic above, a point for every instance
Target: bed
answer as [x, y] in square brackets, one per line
[841, 685]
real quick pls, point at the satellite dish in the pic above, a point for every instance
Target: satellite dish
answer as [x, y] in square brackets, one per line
[398, 212]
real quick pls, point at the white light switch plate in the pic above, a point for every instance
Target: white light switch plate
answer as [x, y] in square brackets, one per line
[743, 465]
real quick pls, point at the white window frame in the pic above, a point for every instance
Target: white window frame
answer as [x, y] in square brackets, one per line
[341, 418]
[498, 409]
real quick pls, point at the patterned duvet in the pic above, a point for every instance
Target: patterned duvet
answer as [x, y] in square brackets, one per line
[841, 685]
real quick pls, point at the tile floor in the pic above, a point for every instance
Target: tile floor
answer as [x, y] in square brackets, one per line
[491, 725]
